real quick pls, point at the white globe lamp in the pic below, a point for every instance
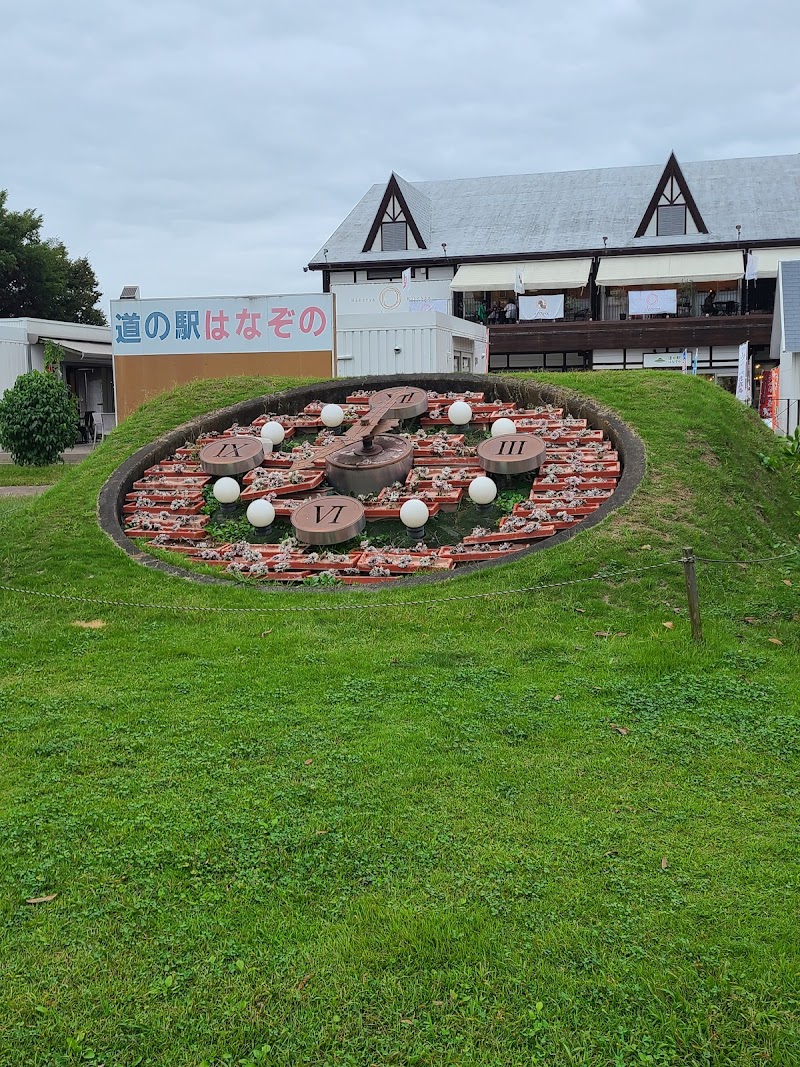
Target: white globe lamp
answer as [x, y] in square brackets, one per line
[226, 490]
[482, 491]
[459, 413]
[413, 515]
[332, 416]
[272, 431]
[503, 427]
[260, 513]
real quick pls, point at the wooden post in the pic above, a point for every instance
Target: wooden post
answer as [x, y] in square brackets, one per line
[691, 593]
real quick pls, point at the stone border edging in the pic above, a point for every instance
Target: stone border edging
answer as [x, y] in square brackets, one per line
[527, 393]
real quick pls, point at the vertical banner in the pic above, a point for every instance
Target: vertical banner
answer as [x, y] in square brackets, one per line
[743, 392]
[751, 270]
[406, 276]
[684, 362]
[768, 397]
[519, 283]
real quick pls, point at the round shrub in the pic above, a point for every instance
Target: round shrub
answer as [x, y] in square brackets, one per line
[38, 419]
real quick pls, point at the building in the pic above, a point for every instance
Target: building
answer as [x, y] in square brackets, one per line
[614, 268]
[86, 366]
[785, 347]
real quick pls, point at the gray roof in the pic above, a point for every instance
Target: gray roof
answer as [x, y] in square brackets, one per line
[526, 214]
[790, 303]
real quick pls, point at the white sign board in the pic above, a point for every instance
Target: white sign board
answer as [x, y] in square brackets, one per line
[663, 360]
[541, 307]
[223, 324]
[743, 377]
[416, 304]
[652, 301]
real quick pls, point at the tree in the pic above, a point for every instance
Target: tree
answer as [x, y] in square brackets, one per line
[38, 278]
[38, 419]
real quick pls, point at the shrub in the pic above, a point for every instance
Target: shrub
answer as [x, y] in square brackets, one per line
[38, 419]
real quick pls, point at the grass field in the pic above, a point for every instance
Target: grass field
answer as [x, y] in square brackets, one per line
[536, 829]
[11, 474]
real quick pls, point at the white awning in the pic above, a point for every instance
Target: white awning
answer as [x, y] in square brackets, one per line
[541, 274]
[680, 267]
[89, 349]
[769, 258]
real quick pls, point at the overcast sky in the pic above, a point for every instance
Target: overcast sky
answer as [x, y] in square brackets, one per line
[196, 147]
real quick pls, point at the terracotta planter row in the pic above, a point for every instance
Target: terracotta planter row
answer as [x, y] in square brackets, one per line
[313, 479]
[545, 530]
[164, 482]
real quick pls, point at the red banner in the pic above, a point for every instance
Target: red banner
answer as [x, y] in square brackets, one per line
[768, 396]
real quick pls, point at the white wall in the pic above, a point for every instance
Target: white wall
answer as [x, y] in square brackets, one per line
[13, 362]
[367, 344]
[725, 357]
[385, 297]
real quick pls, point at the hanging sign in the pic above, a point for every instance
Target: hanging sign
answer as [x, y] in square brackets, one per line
[653, 302]
[541, 307]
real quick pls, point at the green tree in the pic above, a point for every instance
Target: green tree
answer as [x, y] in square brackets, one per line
[38, 419]
[38, 278]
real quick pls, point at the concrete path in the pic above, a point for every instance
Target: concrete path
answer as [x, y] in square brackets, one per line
[22, 490]
[72, 455]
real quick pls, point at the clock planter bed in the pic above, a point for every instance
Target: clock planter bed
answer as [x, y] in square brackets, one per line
[309, 471]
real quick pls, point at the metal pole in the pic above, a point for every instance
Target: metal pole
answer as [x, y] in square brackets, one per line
[691, 593]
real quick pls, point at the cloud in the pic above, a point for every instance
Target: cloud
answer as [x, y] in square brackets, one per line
[199, 148]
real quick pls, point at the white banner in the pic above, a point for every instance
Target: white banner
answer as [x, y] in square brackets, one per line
[223, 324]
[541, 307]
[406, 277]
[743, 392]
[519, 283]
[751, 270]
[442, 306]
[653, 302]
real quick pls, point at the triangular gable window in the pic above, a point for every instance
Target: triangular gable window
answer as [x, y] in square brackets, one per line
[672, 210]
[394, 228]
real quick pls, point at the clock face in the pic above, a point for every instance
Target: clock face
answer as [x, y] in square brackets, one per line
[407, 482]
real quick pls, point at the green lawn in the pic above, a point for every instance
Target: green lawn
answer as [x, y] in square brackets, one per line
[11, 474]
[534, 829]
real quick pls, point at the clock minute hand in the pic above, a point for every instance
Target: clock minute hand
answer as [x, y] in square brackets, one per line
[365, 427]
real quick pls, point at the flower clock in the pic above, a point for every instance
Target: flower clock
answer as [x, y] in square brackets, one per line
[388, 483]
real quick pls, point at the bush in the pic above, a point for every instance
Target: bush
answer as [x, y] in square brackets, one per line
[38, 419]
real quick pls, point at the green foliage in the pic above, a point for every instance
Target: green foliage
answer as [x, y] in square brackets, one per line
[38, 419]
[506, 500]
[38, 278]
[786, 455]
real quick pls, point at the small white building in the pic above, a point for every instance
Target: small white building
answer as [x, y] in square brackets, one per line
[785, 344]
[86, 368]
[404, 342]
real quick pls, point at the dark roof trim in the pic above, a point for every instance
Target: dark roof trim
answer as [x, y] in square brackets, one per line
[392, 190]
[516, 257]
[672, 170]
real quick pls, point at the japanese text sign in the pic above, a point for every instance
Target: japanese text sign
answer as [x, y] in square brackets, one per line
[223, 324]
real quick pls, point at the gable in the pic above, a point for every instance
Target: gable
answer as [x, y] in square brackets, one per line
[394, 228]
[672, 210]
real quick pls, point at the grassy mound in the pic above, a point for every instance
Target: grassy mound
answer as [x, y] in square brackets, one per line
[540, 828]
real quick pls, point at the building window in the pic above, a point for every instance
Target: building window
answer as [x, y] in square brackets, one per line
[385, 274]
[671, 220]
[394, 237]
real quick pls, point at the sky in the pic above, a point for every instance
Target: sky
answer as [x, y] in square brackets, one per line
[200, 148]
